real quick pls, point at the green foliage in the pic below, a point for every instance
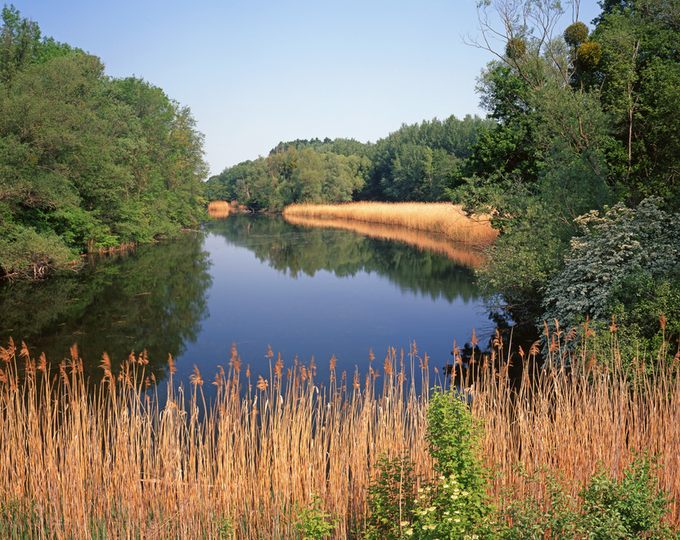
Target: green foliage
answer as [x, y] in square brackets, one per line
[639, 304]
[20, 519]
[610, 249]
[455, 504]
[639, 80]
[391, 499]
[443, 510]
[627, 508]
[414, 163]
[516, 48]
[27, 252]
[93, 160]
[225, 528]
[583, 122]
[589, 55]
[607, 508]
[313, 521]
[455, 441]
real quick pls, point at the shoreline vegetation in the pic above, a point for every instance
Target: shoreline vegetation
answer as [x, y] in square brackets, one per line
[85, 461]
[445, 219]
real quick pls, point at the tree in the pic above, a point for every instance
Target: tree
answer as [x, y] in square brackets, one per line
[86, 162]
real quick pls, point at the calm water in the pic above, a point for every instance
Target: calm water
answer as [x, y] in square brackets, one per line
[252, 281]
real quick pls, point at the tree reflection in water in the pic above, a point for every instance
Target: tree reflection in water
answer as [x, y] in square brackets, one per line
[151, 298]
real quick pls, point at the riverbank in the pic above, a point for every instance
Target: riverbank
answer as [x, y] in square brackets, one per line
[81, 461]
[441, 218]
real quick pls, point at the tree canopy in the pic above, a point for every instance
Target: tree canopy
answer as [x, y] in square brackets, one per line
[87, 162]
[414, 163]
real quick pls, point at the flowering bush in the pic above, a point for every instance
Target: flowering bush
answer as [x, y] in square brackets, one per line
[441, 512]
[613, 264]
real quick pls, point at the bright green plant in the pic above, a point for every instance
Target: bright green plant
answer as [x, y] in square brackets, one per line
[455, 441]
[456, 504]
[225, 528]
[313, 522]
[442, 511]
[631, 507]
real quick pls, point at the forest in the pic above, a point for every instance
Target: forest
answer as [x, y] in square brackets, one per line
[87, 162]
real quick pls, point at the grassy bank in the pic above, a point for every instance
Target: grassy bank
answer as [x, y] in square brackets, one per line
[441, 218]
[84, 462]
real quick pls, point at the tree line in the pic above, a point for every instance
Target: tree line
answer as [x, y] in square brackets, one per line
[87, 162]
[414, 163]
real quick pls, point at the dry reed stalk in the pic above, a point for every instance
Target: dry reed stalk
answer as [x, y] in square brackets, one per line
[573, 421]
[219, 209]
[423, 240]
[442, 218]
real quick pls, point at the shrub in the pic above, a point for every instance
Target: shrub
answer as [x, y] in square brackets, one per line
[391, 499]
[631, 507]
[623, 242]
[313, 522]
[455, 504]
[25, 251]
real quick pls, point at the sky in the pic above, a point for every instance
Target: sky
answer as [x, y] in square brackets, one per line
[258, 72]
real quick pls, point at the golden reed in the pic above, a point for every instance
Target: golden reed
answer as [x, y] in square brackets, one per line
[219, 209]
[442, 218]
[79, 460]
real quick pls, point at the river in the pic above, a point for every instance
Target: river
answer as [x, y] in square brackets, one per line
[256, 282]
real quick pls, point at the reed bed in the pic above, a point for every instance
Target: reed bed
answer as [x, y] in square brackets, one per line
[220, 209]
[82, 461]
[422, 240]
[442, 218]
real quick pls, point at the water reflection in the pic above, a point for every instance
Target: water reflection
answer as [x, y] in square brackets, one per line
[459, 254]
[295, 250]
[152, 298]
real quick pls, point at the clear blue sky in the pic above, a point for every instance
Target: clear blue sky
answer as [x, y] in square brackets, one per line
[257, 72]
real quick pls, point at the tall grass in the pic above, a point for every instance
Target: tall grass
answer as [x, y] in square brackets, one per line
[78, 461]
[442, 218]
